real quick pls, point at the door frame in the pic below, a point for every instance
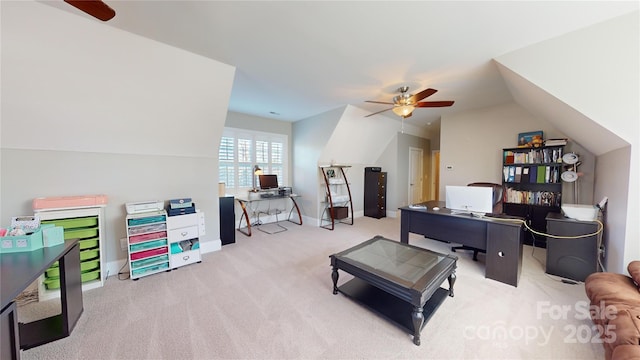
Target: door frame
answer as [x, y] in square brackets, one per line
[435, 175]
[420, 153]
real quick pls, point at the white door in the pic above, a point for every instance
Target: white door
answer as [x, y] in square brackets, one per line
[415, 175]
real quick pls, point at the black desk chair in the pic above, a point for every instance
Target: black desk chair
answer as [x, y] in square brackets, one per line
[497, 209]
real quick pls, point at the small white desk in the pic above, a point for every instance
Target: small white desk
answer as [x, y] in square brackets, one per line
[249, 212]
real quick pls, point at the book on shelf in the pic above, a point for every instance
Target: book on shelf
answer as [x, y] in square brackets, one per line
[540, 198]
[533, 156]
[508, 157]
[555, 142]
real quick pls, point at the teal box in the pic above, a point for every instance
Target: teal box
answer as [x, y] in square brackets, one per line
[30, 242]
[52, 235]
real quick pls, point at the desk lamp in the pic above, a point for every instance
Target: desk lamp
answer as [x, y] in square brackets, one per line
[256, 171]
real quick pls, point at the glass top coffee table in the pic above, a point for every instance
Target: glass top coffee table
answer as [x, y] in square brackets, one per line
[398, 281]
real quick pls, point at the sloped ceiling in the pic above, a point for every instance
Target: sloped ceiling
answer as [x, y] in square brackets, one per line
[568, 120]
[301, 58]
[585, 82]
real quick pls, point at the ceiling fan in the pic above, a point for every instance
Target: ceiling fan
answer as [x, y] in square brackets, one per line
[95, 8]
[405, 103]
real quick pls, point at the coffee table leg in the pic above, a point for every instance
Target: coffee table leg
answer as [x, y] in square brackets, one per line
[452, 280]
[334, 276]
[418, 319]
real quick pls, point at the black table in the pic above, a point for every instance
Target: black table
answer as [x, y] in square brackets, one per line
[17, 272]
[502, 238]
[398, 281]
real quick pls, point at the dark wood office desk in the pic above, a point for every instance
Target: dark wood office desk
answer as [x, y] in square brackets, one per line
[17, 272]
[501, 238]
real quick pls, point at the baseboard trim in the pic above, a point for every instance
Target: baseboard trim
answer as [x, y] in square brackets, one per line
[210, 246]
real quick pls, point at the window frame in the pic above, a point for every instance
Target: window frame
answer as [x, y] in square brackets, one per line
[277, 163]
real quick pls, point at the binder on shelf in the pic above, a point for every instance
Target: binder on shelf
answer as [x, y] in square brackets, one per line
[541, 174]
[547, 174]
[525, 175]
[518, 176]
[533, 174]
[512, 174]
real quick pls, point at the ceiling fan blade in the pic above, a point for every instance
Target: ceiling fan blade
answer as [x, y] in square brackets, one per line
[95, 8]
[379, 102]
[422, 94]
[378, 112]
[434, 104]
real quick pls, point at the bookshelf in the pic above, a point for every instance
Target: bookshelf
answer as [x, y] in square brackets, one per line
[338, 205]
[532, 186]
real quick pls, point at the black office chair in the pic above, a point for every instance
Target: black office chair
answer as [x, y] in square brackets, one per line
[497, 209]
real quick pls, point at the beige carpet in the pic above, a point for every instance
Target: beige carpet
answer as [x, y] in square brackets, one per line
[270, 297]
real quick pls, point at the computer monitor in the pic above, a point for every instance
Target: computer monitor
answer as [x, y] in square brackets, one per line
[469, 199]
[268, 181]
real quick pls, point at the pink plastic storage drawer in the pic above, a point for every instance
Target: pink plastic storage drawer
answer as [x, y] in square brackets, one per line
[69, 201]
[148, 253]
[147, 237]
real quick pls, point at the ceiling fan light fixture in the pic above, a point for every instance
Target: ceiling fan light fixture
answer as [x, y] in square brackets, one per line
[403, 110]
[404, 104]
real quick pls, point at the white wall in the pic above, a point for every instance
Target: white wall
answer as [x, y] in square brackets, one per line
[89, 109]
[309, 139]
[347, 137]
[471, 143]
[361, 140]
[612, 181]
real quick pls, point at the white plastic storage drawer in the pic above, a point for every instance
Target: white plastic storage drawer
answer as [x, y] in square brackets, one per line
[185, 233]
[179, 221]
[185, 258]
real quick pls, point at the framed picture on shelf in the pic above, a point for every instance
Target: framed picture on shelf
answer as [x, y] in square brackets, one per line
[530, 139]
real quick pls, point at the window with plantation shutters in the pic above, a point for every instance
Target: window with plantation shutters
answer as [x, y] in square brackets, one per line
[226, 161]
[240, 150]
